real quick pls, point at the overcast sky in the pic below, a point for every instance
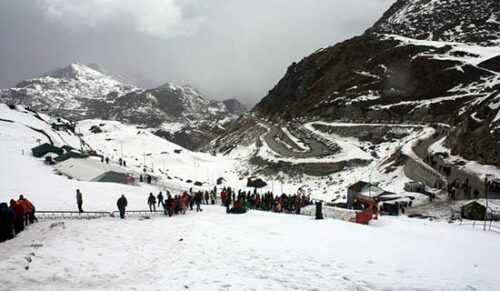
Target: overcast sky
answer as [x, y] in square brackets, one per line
[225, 48]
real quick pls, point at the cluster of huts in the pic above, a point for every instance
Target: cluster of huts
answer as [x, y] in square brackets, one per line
[395, 204]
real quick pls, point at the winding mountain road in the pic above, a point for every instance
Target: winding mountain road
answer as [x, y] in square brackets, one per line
[282, 144]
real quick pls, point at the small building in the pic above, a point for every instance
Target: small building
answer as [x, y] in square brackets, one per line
[92, 170]
[43, 149]
[389, 209]
[414, 186]
[361, 188]
[480, 209]
[72, 154]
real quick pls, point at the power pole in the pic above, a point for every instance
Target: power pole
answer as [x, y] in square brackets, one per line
[486, 197]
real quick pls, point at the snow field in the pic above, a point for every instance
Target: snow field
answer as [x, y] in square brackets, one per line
[256, 251]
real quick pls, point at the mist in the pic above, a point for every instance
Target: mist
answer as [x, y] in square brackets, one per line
[226, 49]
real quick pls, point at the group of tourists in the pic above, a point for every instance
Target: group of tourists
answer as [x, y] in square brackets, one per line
[148, 178]
[235, 202]
[121, 161]
[239, 202]
[20, 213]
[15, 217]
[178, 204]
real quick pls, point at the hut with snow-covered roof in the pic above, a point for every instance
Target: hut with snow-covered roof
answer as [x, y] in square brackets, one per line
[480, 209]
[92, 170]
[361, 188]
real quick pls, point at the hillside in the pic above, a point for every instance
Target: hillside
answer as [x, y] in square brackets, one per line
[423, 61]
[47, 255]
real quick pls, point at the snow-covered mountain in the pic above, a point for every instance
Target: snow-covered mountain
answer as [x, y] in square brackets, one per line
[174, 102]
[76, 91]
[80, 92]
[423, 61]
[181, 113]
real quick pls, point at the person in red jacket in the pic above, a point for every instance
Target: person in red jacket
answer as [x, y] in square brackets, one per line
[19, 215]
[184, 202]
[29, 210]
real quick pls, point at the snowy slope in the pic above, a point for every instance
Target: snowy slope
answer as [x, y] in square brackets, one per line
[21, 173]
[256, 251]
[142, 149]
[24, 120]
[212, 250]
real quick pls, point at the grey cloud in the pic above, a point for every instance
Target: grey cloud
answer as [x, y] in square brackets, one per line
[235, 48]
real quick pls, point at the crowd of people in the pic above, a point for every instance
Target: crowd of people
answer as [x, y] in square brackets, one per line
[178, 204]
[20, 213]
[239, 202]
[15, 217]
[235, 202]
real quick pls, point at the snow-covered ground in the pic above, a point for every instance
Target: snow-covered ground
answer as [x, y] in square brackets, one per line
[21, 173]
[212, 250]
[257, 251]
[140, 148]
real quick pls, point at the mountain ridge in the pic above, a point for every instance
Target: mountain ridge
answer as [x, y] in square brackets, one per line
[80, 92]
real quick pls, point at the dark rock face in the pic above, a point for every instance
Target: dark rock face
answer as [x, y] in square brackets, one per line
[138, 108]
[190, 139]
[312, 169]
[235, 107]
[467, 21]
[423, 61]
[492, 64]
[371, 78]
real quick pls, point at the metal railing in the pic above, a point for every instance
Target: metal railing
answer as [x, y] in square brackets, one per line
[489, 225]
[92, 214]
[138, 213]
[71, 214]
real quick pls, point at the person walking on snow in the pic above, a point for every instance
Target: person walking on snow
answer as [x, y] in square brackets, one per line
[207, 197]
[152, 202]
[198, 199]
[6, 222]
[122, 205]
[29, 210]
[160, 199]
[79, 200]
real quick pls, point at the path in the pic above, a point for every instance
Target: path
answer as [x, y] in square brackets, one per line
[317, 148]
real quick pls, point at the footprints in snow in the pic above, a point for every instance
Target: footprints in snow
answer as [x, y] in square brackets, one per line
[29, 259]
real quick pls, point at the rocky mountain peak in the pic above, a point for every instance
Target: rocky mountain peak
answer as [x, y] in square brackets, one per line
[466, 21]
[76, 71]
[234, 106]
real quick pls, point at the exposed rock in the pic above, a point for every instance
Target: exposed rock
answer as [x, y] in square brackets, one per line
[235, 107]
